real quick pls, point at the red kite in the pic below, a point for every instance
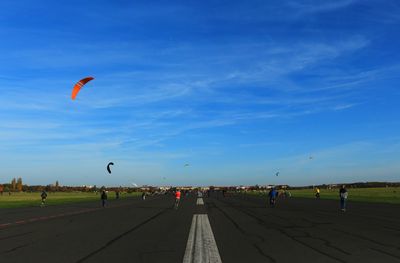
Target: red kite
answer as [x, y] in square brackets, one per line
[79, 85]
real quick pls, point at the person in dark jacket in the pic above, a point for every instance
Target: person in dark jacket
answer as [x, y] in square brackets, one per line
[103, 198]
[343, 197]
[43, 195]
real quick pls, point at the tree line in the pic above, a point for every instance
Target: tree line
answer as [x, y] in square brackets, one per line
[16, 185]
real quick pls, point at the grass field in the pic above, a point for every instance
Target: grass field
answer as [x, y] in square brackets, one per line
[377, 195]
[33, 199]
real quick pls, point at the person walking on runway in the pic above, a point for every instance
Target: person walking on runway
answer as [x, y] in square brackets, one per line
[272, 196]
[343, 194]
[177, 198]
[103, 198]
[317, 193]
[43, 195]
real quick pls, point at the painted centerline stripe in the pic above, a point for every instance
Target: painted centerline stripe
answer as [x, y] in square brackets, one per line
[201, 246]
[200, 201]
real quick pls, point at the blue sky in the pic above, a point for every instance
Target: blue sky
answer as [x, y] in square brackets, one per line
[237, 89]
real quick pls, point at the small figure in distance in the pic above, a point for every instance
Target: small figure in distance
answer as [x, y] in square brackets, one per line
[343, 194]
[177, 198]
[284, 193]
[103, 198]
[116, 194]
[144, 196]
[317, 193]
[272, 196]
[43, 195]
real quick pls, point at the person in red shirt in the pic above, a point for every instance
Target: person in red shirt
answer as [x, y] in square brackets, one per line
[177, 198]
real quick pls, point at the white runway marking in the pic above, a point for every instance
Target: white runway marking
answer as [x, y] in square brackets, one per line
[201, 246]
[200, 201]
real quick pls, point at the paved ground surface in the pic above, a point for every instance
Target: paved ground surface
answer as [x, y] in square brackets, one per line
[244, 230]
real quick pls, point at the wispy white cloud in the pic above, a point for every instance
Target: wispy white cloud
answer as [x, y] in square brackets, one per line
[344, 106]
[310, 7]
[138, 89]
[349, 162]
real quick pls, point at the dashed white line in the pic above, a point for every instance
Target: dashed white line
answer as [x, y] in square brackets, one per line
[200, 201]
[201, 246]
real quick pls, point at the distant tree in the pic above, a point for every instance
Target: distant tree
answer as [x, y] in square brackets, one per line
[57, 186]
[13, 184]
[25, 188]
[19, 184]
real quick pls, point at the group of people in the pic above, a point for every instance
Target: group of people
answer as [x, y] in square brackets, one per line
[104, 197]
[177, 195]
[272, 195]
[343, 194]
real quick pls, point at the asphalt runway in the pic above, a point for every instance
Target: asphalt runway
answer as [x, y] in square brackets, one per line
[216, 229]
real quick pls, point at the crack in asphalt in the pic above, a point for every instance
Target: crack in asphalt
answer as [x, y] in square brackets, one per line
[15, 248]
[392, 228]
[16, 235]
[365, 238]
[255, 245]
[380, 218]
[296, 239]
[384, 252]
[110, 242]
[151, 252]
[348, 233]
[248, 200]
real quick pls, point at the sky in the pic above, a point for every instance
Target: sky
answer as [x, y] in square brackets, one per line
[239, 90]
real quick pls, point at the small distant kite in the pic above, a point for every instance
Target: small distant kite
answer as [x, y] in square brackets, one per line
[186, 165]
[108, 167]
[277, 174]
[311, 158]
[79, 85]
